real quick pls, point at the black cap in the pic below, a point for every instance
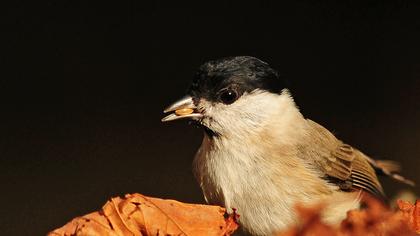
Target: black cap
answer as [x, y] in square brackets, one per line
[244, 73]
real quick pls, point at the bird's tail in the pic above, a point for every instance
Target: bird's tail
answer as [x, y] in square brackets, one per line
[389, 168]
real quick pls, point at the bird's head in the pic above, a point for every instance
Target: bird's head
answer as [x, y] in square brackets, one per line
[231, 96]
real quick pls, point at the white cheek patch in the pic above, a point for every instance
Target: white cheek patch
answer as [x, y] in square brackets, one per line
[248, 113]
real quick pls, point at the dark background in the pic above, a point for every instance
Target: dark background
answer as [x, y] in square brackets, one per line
[83, 86]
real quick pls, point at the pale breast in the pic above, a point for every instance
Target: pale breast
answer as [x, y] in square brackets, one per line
[262, 191]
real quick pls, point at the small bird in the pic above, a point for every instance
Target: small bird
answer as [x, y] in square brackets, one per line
[261, 156]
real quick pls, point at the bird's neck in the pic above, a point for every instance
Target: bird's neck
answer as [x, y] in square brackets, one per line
[277, 137]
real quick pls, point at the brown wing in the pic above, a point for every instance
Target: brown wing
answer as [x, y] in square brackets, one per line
[342, 164]
[351, 170]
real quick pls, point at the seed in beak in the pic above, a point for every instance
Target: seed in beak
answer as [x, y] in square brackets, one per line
[184, 111]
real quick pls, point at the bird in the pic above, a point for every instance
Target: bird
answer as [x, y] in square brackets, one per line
[259, 154]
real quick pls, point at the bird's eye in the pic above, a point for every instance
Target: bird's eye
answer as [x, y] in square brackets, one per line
[228, 96]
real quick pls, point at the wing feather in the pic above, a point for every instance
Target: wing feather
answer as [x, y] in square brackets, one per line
[342, 164]
[349, 164]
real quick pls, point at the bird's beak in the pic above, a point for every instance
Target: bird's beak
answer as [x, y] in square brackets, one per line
[183, 108]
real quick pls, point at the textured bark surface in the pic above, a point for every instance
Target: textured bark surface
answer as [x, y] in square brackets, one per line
[136, 214]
